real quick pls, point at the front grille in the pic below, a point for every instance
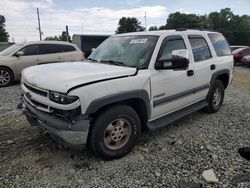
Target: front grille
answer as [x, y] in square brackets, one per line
[38, 104]
[35, 90]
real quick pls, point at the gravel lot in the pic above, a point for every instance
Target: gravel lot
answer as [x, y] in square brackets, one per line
[166, 157]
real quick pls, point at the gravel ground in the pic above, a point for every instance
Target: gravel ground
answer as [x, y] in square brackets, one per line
[169, 157]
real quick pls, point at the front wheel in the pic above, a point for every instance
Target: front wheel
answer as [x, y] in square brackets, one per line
[216, 97]
[115, 132]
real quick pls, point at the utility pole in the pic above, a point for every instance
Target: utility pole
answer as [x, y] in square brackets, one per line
[145, 20]
[67, 33]
[39, 25]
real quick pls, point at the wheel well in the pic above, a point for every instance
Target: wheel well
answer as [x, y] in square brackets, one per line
[224, 78]
[1, 66]
[137, 104]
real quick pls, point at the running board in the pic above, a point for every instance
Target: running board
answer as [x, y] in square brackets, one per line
[169, 118]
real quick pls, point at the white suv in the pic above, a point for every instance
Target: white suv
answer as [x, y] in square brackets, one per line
[130, 82]
[19, 56]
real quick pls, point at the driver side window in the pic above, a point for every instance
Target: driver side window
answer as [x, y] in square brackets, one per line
[31, 50]
[170, 45]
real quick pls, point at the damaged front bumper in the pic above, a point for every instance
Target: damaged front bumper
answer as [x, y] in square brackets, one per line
[70, 133]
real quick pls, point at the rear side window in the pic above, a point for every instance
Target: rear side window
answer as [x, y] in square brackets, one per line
[246, 51]
[200, 48]
[64, 48]
[220, 44]
[55, 48]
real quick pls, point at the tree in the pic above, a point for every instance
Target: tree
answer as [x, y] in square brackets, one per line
[62, 37]
[153, 28]
[129, 24]
[181, 20]
[4, 36]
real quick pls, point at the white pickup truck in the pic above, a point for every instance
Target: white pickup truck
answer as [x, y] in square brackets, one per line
[130, 82]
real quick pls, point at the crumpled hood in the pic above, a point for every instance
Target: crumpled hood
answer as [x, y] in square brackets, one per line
[61, 77]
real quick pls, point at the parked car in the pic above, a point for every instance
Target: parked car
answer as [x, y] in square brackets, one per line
[237, 47]
[246, 60]
[239, 53]
[19, 56]
[130, 82]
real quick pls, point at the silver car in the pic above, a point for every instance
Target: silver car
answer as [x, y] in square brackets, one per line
[19, 56]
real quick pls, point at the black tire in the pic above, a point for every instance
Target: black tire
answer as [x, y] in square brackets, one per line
[6, 72]
[106, 119]
[214, 106]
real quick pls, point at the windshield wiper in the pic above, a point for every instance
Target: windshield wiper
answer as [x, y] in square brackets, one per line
[92, 59]
[112, 62]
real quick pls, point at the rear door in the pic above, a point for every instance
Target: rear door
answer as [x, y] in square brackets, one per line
[50, 53]
[204, 64]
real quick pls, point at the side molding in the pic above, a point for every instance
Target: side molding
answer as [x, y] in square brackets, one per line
[119, 97]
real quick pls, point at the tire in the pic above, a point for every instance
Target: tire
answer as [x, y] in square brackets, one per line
[115, 132]
[216, 97]
[6, 77]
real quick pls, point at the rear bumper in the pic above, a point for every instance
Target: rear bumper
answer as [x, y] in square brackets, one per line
[71, 133]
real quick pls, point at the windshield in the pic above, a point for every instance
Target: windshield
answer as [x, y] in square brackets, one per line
[10, 50]
[131, 51]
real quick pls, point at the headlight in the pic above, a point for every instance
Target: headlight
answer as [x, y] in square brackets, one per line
[62, 98]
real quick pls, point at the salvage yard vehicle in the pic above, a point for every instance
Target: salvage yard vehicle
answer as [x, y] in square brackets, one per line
[130, 82]
[19, 56]
[237, 47]
[246, 60]
[240, 53]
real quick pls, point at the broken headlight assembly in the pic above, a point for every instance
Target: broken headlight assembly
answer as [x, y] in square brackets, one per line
[62, 98]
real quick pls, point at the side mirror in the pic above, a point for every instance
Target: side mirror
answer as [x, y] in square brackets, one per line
[19, 53]
[179, 61]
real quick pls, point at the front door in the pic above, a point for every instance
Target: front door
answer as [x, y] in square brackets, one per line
[171, 89]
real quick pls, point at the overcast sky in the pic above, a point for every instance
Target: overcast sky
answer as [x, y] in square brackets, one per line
[98, 16]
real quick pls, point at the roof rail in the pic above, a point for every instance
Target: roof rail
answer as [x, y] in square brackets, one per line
[185, 29]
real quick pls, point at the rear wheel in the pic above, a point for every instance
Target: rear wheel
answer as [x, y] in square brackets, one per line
[216, 97]
[6, 77]
[115, 132]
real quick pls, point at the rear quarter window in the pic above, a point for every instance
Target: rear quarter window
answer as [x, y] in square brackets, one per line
[200, 49]
[220, 44]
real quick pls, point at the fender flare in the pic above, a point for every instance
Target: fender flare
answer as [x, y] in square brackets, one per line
[215, 76]
[119, 97]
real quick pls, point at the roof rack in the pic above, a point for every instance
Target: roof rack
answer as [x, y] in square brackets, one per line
[185, 29]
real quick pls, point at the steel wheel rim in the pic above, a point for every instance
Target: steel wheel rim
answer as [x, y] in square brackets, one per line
[217, 97]
[117, 134]
[4, 77]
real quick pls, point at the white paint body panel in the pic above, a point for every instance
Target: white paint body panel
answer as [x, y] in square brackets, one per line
[62, 77]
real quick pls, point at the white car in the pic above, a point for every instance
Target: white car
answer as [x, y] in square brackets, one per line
[19, 56]
[130, 82]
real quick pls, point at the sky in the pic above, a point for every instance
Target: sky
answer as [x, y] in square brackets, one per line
[98, 16]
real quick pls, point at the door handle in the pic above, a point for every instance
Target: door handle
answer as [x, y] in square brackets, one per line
[190, 73]
[212, 67]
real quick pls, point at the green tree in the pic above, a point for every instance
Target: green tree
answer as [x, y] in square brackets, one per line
[4, 36]
[181, 20]
[129, 24]
[153, 28]
[62, 37]
[163, 27]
